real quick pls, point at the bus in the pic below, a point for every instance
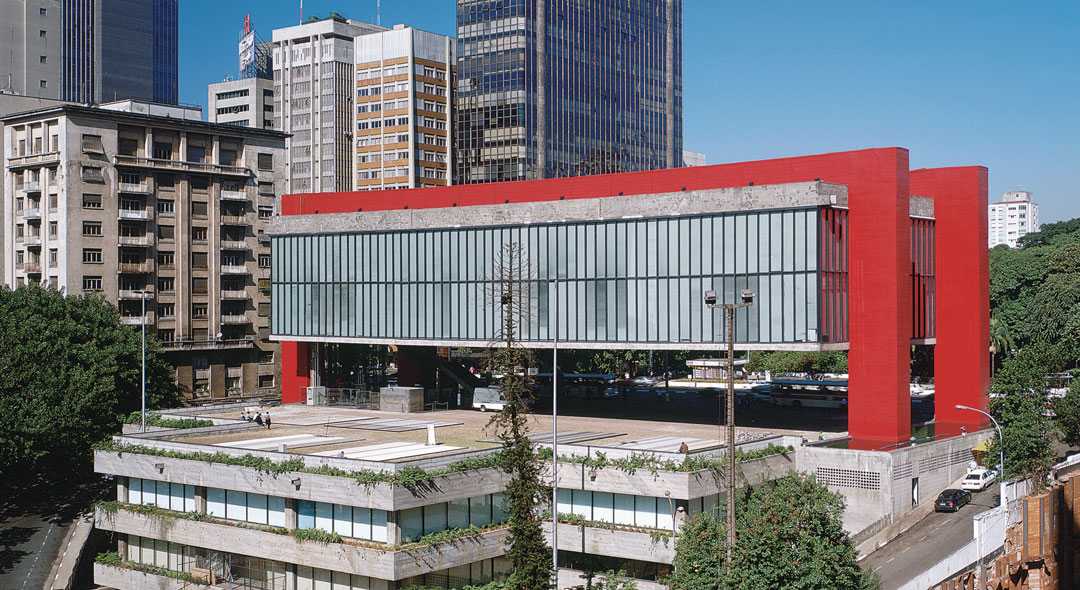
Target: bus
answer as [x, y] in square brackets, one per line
[806, 393]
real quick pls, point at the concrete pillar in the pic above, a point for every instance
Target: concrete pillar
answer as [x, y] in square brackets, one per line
[200, 499]
[122, 488]
[294, 372]
[393, 531]
[290, 575]
[121, 546]
[291, 516]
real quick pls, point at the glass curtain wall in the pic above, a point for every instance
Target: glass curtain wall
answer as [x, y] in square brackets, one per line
[637, 281]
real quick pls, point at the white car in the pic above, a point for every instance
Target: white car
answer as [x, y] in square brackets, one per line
[978, 479]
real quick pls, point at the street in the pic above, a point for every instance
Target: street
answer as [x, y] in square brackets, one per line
[929, 541]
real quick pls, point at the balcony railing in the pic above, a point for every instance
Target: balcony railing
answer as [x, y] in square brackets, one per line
[234, 294]
[134, 214]
[234, 245]
[135, 320]
[234, 219]
[132, 294]
[179, 165]
[135, 267]
[136, 188]
[233, 269]
[29, 214]
[17, 161]
[33, 267]
[32, 241]
[207, 344]
[235, 320]
[234, 195]
[33, 186]
[137, 241]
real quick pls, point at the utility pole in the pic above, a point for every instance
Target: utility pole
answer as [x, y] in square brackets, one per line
[710, 301]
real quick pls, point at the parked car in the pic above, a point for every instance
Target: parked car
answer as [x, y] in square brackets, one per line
[644, 381]
[978, 479]
[951, 500]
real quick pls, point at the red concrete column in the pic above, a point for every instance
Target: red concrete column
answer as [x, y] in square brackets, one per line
[961, 356]
[295, 372]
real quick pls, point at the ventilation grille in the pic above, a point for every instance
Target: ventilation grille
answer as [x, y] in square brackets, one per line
[849, 478]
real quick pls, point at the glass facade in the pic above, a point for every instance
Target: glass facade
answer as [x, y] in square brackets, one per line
[166, 43]
[556, 88]
[636, 282]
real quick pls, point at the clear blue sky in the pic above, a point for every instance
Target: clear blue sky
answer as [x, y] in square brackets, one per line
[958, 82]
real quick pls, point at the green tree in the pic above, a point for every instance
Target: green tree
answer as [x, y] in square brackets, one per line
[69, 373]
[524, 493]
[790, 535]
[1067, 415]
[697, 560]
[1019, 405]
[799, 361]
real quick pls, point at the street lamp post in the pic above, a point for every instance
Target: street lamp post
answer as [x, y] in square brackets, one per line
[142, 322]
[747, 297]
[1001, 450]
[555, 437]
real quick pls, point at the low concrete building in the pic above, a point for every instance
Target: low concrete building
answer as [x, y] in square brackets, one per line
[134, 199]
[248, 102]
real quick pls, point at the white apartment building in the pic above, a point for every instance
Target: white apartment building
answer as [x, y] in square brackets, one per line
[313, 101]
[133, 199]
[403, 109]
[248, 102]
[1013, 218]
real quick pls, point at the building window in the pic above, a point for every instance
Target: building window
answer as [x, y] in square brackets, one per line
[198, 286]
[266, 188]
[166, 335]
[53, 258]
[42, 34]
[127, 147]
[91, 283]
[165, 232]
[166, 259]
[166, 284]
[52, 230]
[165, 207]
[264, 261]
[162, 151]
[266, 161]
[91, 201]
[44, 59]
[166, 310]
[266, 212]
[200, 311]
[227, 157]
[198, 209]
[198, 234]
[92, 174]
[198, 260]
[43, 11]
[91, 255]
[91, 228]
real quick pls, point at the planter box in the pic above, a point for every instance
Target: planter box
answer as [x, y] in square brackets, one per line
[612, 542]
[123, 578]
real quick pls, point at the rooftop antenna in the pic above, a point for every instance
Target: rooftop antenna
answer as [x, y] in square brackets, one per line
[378, 13]
[301, 11]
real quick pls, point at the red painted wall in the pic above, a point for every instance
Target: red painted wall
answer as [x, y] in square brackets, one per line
[961, 357]
[879, 243]
[295, 375]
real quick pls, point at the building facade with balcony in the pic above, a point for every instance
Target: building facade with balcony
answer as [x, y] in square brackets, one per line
[1012, 218]
[248, 102]
[136, 199]
[404, 81]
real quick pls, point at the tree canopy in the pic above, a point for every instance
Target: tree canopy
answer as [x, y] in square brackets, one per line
[799, 361]
[69, 373]
[789, 535]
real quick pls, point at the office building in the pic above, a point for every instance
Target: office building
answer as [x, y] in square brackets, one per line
[247, 102]
[550, 90]
[1014, 217]
[136, 199]
[314, 84]
[404, 81]
[83, 50]
[693, 158]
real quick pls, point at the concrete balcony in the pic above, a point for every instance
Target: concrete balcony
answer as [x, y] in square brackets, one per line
[180, 166]
[378, 562]
[32, 241]
[135, 267]
[135, 188]
[235, 320]
[137, 320]
[31, 160]
[231, 269]
[232, 294]
[614, 542]
[234, 245]
[234, 196]
[134, 214]
[29, 214]
[122, 578]
[34, 186]
[33, 268]
[264, 239]
[234, 220]
[129, 294]
[178, 345]
[137, 241]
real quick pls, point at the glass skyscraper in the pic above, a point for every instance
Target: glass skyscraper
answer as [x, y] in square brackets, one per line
[114, 49]
[554, 88]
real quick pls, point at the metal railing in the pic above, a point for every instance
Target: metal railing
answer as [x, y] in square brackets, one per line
[181, 165]
[207, 344]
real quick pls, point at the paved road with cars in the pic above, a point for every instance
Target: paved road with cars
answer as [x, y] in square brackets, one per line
[929, 541]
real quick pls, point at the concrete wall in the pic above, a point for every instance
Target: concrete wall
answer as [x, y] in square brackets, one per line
[612, 542]
[121, 578]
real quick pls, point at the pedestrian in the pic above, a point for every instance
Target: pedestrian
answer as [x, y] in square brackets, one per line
[268, 420]
[243, 415]
[258, 418]
[821, 436]
[680, 518]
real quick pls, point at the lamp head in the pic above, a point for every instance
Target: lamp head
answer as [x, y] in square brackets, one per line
[710, 297]
[747, 296]
[962, 407]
